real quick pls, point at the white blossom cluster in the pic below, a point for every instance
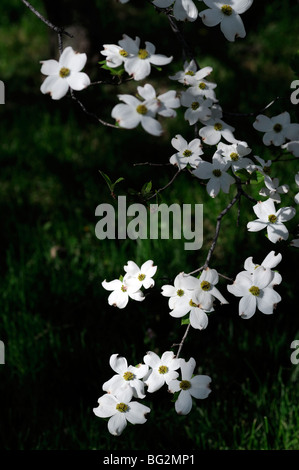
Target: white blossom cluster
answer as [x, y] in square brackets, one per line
[130, 381]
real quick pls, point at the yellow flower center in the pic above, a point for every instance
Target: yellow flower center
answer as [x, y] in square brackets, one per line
[192, 304]
[143, 54]
[234, 156]
[254, 291]
[226, 10]
[190, 73]
[272, 218]
[124, 288]
[195, 105]
[202, 86]
[64, 72]
[205, 285]
[218, 126]
[122, 407]
[187, 153]
[128, 376]
[141, 277]
[123, 53]
[267, 170]
[163, 370]
[180, 292]
[185, 384]
[141, 109]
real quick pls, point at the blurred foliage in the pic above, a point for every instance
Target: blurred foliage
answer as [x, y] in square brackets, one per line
[55, 320]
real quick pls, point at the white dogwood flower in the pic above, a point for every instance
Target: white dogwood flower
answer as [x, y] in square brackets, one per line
[227, 13]
[180, 294]
[206, 290]
[272, 189]
[198, 107]
[138, 60]
[120, 412]
[215, 172]
[277, 129]
[196, 386]
[182, 9]
[187, 153]
[256, 292]
[161, 104]
[162, 370]
[142, 276]
[122, 291]
[214, 129]
[190, 75]
[292, 147]
[132, 112]
[270, 262]
[127, 381]
[64, 74]
[235, 155]
[271, 219]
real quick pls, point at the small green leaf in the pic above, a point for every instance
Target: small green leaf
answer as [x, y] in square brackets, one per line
[121, 278]
[146, 188]
[107, 179]
[242, 174]
[185, 321]
[175, 397]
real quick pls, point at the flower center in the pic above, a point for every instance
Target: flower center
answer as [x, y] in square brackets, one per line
[218, 126]
[192, 304]
[128, 376]
[122, 407]
[141, 277]
[234, 156]
[267, 170]
[205, 285]
[187, 153]
[272, 218]
[180, 292]
[254, 291]
[217, 173]
[190, 73]
[226, 10]
[195, 105]
[202, 86]
[123, 53]
[141, 109]
[163, 370]
[277, 128]
[185, 384]
[124, 288]
[64, 72]
[143, 54]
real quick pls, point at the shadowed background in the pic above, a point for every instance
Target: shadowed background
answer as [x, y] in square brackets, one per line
[55, 320]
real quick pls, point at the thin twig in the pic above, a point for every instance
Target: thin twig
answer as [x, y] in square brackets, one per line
[182, 342]
[166, 186]
[57, 29]
[151, 164]
[93, 115]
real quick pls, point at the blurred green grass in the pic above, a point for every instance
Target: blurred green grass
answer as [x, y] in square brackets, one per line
[57, 326]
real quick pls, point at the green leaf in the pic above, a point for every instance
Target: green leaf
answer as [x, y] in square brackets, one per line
[185, 321]
[175, 397]
[121, 278]
[107, 179]
[146, 188]
[242, 174]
